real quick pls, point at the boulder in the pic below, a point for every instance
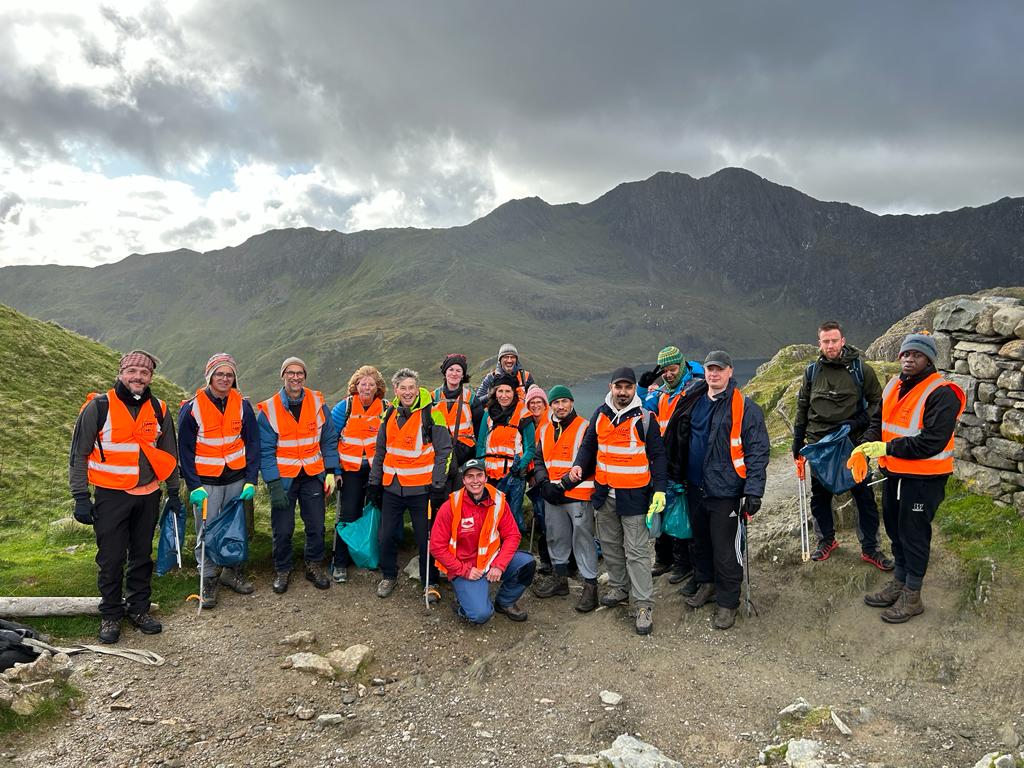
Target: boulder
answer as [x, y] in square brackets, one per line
[1012, 427]
[313, 663]
[351, 660]
[1010, 380]
[1008, 448]
[1013, 349]
[989, 348]
[996, 760]
[989, 458]
[960, 314]
[629, 752]
[26, 702]
[6, 694]
[1006, 320]
[982, 366]
[977, 478]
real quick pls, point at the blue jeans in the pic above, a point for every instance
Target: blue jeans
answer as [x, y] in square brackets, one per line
[514, 489]
[473, 597]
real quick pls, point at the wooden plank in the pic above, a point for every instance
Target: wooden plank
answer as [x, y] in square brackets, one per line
[27, 607]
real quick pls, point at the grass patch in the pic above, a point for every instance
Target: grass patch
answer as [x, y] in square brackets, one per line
[805, 726]
[976, 530]
[51, 709]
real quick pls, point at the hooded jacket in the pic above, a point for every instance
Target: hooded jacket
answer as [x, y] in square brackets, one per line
[439, 436]
[485, 386]
[833, 397]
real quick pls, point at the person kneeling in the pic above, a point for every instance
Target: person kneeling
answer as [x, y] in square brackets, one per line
[475, 541]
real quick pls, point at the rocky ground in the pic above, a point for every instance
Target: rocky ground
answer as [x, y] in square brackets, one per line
[940, 691]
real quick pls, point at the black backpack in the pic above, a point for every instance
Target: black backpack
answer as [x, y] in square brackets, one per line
[102, 409]
[856, 371]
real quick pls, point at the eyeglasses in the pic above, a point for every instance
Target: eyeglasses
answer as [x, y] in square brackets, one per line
[227, 375]
[295, 374]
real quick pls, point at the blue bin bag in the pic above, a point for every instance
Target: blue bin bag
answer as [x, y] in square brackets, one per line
[677, 514]
[360, 537]
[828, 458]
[227, 540]
[170, 546]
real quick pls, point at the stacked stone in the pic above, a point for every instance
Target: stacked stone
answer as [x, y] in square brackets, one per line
[981, 347]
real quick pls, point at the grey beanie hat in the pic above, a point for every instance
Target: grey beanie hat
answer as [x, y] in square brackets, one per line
[293, 361]
[920, 342]
[508, 349]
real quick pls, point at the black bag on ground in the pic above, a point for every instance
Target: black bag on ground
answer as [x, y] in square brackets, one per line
[12, 649]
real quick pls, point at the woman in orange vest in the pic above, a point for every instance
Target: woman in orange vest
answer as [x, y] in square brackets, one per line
[461, 407]
[506, 443]
[911, 435]
[357, 419]
[475, 542]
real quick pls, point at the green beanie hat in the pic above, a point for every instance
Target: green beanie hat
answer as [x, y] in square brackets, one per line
[670, 356]
[559, 391]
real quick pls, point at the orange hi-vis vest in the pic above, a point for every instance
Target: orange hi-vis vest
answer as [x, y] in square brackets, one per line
[559, 455]
[905, 418]
[358, 440]
[451, 410]
[407, 456]
[666, 405]
[504, 443]
[114, 461]
[298, 442]
[621, 455]
[489, 542]
[219, 440]
[736, 434]
[523, 376]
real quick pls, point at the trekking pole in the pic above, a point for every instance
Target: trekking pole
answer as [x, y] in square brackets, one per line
[201, 536]
[748, 603]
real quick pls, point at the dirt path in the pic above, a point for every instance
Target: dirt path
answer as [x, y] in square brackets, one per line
[519, 694]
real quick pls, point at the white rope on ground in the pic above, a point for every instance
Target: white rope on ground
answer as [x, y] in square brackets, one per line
[140, 655]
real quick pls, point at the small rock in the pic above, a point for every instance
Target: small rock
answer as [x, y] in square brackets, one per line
[348, 698]
[800, 751]
[485, 734]
[996, 760]
[843, 727]
[1007, 736]
[629, 752]
[611, 698]
[412, 570]
[794, 711]
[304, 713]
[117, 694]
[582, 759]
[351, 660]
[330, 719]
[120, 706]
[296, 639]
[312, 663]
[378, 681]
[546, 702]
[147, 721]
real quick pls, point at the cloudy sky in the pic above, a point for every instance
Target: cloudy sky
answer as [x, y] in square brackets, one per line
[148, 126]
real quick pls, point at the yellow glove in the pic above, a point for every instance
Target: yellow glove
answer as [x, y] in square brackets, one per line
[858, 466]
[657, 505]
[871, 450]
[329, 484]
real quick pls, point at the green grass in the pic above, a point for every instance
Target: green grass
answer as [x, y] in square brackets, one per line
[976, 529]
[51, 709]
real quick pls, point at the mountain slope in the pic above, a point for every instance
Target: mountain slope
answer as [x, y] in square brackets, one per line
[730, 261]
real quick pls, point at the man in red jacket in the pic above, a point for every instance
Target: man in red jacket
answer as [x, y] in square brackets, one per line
[475, 541]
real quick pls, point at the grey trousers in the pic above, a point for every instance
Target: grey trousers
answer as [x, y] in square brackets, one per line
[219, 495]
[570, 529]
[626, 546]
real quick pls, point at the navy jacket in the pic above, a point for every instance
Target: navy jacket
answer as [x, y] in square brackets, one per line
[188, 430]
[720, 478]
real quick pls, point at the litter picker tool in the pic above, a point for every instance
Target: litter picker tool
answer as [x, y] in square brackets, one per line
[744, 541]
[201, 537]
[804, 504]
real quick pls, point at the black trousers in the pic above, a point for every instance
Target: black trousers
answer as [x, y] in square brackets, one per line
[308, 492]
[908, 507]
[124, 530]
[353, 499]
[673, 551]
[867, 513]
[392, 518]
[717, 557]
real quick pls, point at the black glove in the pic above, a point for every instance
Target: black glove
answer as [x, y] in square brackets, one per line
[375, 495]
[278, 498]
[83, 509]
[174, 500]
[750, 506]
[551, 492]
[438, 496]
[651, 376]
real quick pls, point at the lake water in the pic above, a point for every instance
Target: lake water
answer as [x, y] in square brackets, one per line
[590, 393]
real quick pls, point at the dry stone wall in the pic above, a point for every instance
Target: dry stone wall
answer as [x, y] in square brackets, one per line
[981, 347]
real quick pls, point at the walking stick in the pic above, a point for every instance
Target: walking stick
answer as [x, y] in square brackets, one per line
[748, 603]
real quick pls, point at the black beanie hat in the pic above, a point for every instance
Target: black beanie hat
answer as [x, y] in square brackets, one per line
[455, 358]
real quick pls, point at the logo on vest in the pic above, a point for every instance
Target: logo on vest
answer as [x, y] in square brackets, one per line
[467, 523]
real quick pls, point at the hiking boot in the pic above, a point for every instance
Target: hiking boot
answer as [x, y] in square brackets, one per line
[879, 560]
[545, 568]
[233, 579]
[340, 574]
[513, 611]
[552, 586]
[315, 573]
[432, 594]
[907, 605]
[110, 631]
[145, 623]
[704, 594]
[280, 585]
[208, 598]
[678, 576]
[824, 550]
[644, 620]
[689, 588]
[660, 568]
[725, 617]
[588, 600]
[886, 596]
[386, 586]
[614, 598]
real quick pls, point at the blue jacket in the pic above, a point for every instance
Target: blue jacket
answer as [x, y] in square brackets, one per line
[268, 445]
[650, 397]
[485, 386]
[187, 432]
[720, 478]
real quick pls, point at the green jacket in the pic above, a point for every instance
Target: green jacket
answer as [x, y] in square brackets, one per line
[834, 397]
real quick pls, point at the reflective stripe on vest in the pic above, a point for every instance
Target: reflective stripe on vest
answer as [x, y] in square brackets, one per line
[504, 443]
[736, 434]
[489, 543]
[406, 456]
[122, 438]
[451, 408]
[358, 440]
[904, 417]
[298, 442]
[621, 456]
[559, 455]
[666, 405]
[218, 435]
